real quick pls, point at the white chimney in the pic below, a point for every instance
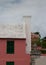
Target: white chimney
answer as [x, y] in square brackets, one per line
[27, 20]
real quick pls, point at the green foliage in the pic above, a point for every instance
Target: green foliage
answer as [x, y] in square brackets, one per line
[44, 38]
[38, 39]
[37, 34]
[43, 44]
[43, 51]
[38, 42]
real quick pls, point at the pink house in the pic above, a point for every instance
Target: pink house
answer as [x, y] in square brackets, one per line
[13, 49]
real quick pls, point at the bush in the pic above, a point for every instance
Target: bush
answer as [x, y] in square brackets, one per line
[43, 51]
[43, 44]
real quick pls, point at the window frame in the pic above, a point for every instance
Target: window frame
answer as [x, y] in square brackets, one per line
[11, 51]
[8, 63]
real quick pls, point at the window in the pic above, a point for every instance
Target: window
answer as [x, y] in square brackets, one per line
[10, 47]
[9, 63]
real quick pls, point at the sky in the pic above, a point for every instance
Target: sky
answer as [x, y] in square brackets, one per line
[12, 11]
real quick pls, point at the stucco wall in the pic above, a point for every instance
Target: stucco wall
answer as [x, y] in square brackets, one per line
[41, 60]
[19, 57]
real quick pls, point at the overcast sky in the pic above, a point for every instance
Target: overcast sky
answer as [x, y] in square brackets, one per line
[11, 11]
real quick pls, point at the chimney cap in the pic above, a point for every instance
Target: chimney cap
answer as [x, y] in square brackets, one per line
[26, 16]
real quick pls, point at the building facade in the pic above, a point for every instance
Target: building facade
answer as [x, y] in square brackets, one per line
[13, 46]
[13, 52]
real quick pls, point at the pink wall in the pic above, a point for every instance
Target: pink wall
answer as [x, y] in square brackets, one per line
[19, 57]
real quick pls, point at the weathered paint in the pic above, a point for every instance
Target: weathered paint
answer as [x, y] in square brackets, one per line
[19, 57]
[12, 31]
[27, 20]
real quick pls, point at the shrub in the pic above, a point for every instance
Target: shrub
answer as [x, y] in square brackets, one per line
[43, 51]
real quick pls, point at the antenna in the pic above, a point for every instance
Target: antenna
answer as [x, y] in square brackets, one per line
[27, 20]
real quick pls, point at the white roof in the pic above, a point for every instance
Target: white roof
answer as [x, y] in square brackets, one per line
[12, 31]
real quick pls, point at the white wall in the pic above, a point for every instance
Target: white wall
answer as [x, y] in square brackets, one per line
[41, 60]
[27, 20]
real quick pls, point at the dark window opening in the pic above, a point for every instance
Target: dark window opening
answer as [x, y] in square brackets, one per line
[9, 63]
[10, 47]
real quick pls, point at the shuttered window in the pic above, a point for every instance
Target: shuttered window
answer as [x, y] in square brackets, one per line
[9, 63]
[10, 47]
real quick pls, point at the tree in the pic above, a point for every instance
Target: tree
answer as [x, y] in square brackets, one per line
[44, 42]
[37, 41]
[37, 34]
